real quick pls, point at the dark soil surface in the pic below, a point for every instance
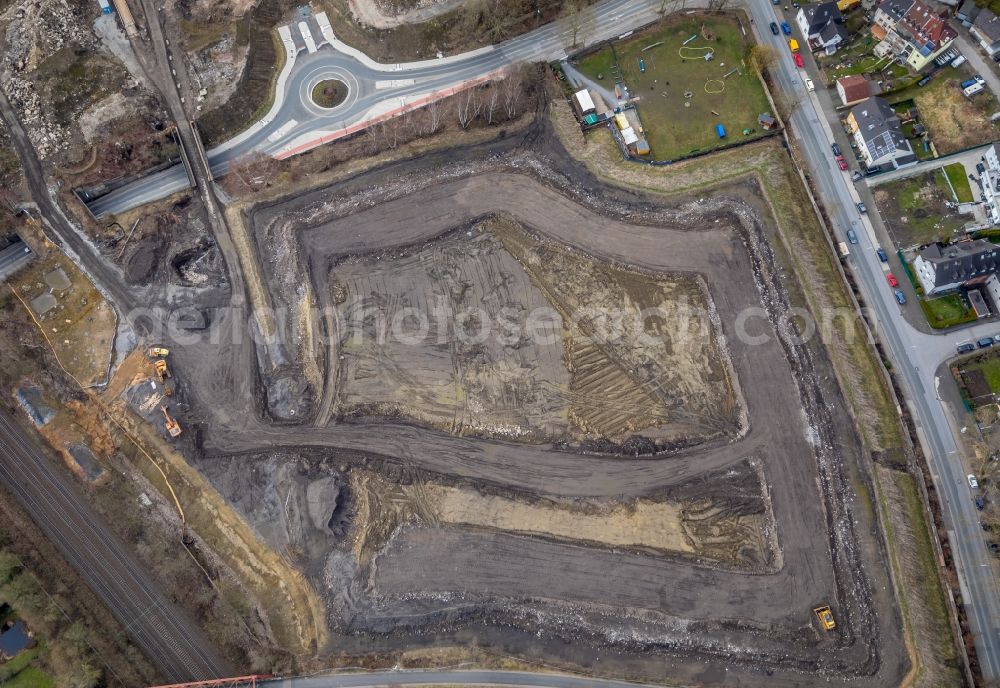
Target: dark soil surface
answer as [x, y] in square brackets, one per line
[329, 93]
[527, 595]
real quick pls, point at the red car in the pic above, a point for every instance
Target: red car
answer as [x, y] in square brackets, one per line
[799, 62]
[893, 282]
[841, 163]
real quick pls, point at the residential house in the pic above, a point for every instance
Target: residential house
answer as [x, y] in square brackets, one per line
[967, 13]
[821, 24]
[990, 182]
[942, 269]
[879, 135]
[911, 32]
[856, 87]
[986, 30]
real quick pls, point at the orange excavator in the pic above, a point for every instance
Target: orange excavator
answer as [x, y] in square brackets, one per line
[172, 426]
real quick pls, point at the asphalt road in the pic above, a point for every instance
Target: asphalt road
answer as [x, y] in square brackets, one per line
[915, 355]
[163, 632]
[370, 96]
[446, 678]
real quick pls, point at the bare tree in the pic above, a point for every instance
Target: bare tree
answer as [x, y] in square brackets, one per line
[761, 57]
[250, 172]
[512, 84]
[433, 117]
[492, 101]
[463, 108]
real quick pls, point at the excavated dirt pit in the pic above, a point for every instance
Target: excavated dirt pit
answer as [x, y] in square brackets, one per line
[490, 332]
[699, 558]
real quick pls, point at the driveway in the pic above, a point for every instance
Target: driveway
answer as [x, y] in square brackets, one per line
[970, 48]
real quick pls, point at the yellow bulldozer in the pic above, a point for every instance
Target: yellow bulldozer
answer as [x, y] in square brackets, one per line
[825, 617]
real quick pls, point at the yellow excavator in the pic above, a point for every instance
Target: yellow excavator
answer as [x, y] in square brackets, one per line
[172, 426]
[157, 352]
[166, 379]
[825, 617]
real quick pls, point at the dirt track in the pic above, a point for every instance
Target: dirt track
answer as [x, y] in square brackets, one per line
[446, 581]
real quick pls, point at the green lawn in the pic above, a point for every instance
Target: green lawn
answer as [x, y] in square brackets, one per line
[675, 125]
[597, 65]
[990, 366]
[915, 211]
[959, 181]
[947, 311]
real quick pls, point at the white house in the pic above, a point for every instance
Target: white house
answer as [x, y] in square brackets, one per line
[941, 269]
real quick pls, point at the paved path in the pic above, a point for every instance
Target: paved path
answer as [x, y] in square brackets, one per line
[968, 158]
[970, 48]
[447, 678]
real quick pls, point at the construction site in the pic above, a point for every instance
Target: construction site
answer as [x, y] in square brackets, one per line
[489, 397]
[545, 496]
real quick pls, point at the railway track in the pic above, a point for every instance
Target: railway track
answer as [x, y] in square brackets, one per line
[162, 631]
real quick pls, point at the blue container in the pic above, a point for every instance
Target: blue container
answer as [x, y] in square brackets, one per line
[720, 130]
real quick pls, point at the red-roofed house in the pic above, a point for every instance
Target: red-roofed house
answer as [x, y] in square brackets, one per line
[855, 88]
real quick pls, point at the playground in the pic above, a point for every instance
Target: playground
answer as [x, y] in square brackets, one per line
[682, 96]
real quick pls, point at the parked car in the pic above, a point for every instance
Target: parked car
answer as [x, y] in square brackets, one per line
[996, 338]
[891, 279]
[973, 483]
[774, 28]
[926, 80]
[980, 503]
[900, 297]
[799, 62]
[882, 255]
[810, 86]
[836, 150]
[842, 164]
[985, 342]
[965, 348]
[855, 176]
[786, 29]
[862, 208]
[851, 236]
[980, 168]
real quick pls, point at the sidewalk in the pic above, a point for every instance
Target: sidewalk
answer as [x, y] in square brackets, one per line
[968, 158]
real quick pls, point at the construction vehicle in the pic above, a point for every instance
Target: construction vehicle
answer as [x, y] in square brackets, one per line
[157, 352]
[825, 617]
[174, 428]
[160, 366]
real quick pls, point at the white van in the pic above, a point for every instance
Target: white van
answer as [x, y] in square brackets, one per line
[810, 86]
[973, 89]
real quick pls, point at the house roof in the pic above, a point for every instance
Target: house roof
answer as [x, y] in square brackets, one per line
[928, 29]
[962, 261]
[832, 30]
[987, 24]
[854, 88]
[969, 9]
[895, 8]
[820, 14]
[879, 32]
[880, 129]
